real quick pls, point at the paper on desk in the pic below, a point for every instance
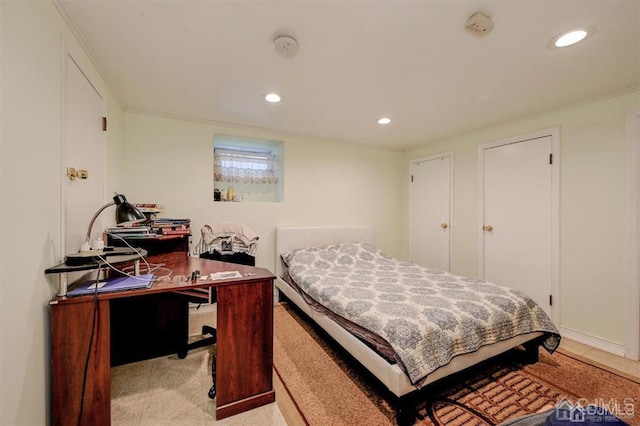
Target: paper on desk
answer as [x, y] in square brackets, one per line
[113, 284]
[223, 275]
[100, 285]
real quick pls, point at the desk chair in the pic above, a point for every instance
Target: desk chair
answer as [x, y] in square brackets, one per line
[209, 295]
[199, 296]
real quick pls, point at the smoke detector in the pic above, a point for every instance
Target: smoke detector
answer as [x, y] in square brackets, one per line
[479, 24]
[286, 46]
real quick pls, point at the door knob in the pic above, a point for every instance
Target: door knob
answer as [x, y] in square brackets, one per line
[74, 174]
[488, 228]
[444, 225]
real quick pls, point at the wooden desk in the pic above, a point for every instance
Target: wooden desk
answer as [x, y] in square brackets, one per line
[244, 353]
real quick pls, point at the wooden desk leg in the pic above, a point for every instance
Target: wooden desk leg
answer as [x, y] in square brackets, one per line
[71, 327]
[244, 347]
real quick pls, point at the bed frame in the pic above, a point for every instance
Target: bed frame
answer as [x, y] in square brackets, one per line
[290, 238]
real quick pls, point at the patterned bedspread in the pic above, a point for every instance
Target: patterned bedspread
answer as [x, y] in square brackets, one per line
[428, 316]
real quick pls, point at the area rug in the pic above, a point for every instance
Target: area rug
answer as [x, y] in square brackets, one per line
[329, 387]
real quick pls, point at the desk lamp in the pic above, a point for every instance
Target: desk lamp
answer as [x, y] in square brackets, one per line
[125, 213]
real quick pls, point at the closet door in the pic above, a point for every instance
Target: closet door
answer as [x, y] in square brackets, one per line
[516, 239]
[430, 211]
[83, 150]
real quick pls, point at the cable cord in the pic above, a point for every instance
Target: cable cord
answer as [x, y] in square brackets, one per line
[122, 271]
[96, 307]
[157, 269]
[94, 325]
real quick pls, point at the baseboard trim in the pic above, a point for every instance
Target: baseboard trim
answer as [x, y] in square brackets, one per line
[632, 355]
[593, 341]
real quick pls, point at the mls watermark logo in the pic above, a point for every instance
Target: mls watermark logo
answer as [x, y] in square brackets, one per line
[597, 412]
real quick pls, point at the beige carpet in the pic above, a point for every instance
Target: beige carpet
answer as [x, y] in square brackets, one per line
[323, 393]
[329, 388]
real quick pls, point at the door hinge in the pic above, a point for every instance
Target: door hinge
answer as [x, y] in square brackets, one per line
[550, 158]
[104, 124]
[550, 300]
[411, 178]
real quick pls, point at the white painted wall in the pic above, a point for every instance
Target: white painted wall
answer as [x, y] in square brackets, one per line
[30, 40]
[592, 208]
[325, 183]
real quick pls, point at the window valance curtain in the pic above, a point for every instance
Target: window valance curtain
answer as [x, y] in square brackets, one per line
[245, 167]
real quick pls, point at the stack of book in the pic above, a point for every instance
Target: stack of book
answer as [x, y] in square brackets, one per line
[168, 226]
[131, 232]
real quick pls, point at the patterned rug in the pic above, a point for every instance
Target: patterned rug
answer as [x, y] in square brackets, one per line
[488, 397]
[330, 388]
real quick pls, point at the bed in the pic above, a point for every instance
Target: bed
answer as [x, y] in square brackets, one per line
[406, 374]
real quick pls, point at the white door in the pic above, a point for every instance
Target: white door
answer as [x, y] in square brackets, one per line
[430, 211]
[83, 149]
[517, 225]
[632, 336]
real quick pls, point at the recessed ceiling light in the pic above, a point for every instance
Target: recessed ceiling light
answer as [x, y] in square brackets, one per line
[384, 120]
[569, 38]
[273, 98]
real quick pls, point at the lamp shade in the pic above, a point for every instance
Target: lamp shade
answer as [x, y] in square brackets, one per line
[126, 212]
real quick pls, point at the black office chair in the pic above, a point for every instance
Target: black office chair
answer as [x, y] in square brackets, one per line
[239, 258]
[209, 295]
[199, 296]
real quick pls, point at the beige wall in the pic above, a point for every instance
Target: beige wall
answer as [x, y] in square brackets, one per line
[31, 51]
[592, 208]
[325, 183]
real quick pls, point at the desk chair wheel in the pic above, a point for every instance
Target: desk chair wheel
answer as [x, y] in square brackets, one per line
[214, 369]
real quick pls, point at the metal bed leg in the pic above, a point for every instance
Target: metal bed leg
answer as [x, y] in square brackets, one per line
[406, 412]
[530, 355]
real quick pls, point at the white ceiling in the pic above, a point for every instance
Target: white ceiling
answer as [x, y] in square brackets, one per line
[357, 60]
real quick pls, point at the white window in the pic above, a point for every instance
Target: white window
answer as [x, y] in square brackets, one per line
[246, 169]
